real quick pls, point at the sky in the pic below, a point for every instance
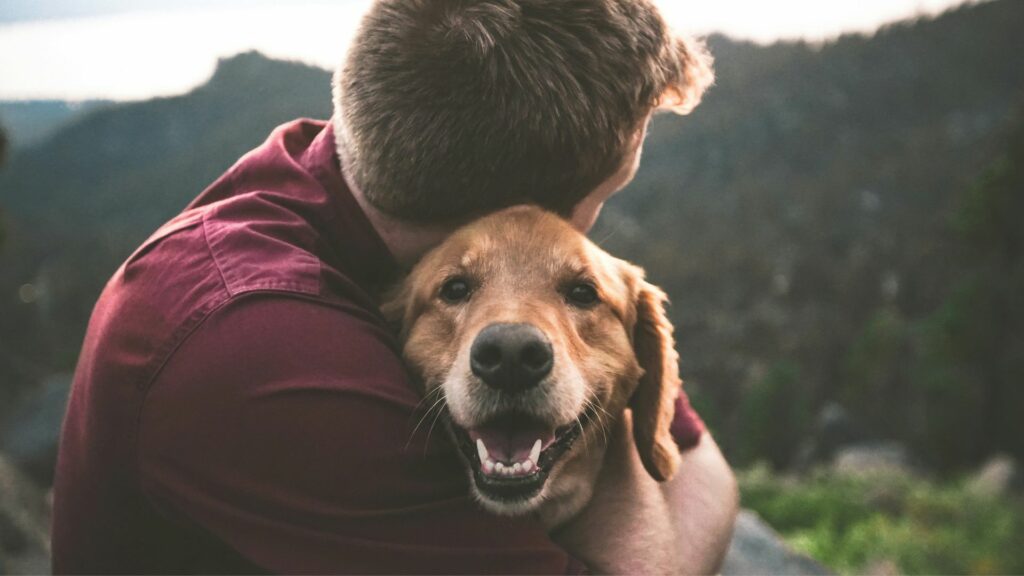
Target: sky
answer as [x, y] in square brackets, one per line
[136, 49]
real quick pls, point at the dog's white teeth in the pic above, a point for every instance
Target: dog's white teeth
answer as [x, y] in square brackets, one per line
[511, 469]
[535, 452]
[493, 468]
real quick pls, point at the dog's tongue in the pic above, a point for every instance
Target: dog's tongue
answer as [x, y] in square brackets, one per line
[511, 438]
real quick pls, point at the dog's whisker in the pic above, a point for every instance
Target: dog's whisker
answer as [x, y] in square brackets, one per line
[605, 425]
[437, 404]
[423, 401]
[585, 441]
[598, 415]
[430, 430]
[427, 412]
[609, 235]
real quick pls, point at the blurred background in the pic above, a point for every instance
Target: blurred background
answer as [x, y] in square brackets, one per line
[840, 227]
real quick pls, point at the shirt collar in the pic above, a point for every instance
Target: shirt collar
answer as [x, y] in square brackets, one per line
[353, 239]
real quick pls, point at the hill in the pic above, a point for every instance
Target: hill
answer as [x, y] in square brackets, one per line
[78, 203]
[813, 193]
[30, 122]
[810, 196]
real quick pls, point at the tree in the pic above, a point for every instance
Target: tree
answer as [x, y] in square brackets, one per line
[970, 363]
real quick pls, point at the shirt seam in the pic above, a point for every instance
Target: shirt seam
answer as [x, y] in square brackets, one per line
[209, 249]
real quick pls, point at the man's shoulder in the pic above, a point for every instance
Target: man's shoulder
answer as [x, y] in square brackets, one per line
[245, 244]
[269, 225]
[296, 380]
[294, 342]
[305, 446]
[196, 269]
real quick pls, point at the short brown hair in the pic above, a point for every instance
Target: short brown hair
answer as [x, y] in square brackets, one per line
[447, 109]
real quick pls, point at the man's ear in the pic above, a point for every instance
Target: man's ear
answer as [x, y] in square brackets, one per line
[653, 402]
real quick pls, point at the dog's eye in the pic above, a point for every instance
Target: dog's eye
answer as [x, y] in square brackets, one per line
[455, 290]
[582, 294]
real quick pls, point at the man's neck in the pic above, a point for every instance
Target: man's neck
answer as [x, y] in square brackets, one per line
[407, 241]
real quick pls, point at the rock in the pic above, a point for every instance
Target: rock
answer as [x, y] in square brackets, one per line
[24, 523]
[998, 477]
[30, 437]
[874, 458]
[757, 549]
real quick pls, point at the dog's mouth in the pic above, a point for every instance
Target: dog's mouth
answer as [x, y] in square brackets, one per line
[512, 455]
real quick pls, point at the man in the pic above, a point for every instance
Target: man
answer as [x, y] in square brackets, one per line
[239, 403]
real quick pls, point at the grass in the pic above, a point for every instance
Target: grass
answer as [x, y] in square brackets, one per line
[855, 523]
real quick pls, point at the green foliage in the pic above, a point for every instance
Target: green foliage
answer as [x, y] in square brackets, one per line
[949, 396]
[959, 366]
[802, 212]
[978, 333]
[853, 522]
[775, 415]
[875, 370]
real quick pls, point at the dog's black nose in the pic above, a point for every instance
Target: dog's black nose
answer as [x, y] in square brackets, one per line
[511, 357]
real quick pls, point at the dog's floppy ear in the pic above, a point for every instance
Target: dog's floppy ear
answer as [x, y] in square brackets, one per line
[653, 402]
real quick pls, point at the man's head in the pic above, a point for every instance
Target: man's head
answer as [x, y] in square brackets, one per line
[449, 109]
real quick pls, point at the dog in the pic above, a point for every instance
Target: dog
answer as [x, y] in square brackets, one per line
[533, 341]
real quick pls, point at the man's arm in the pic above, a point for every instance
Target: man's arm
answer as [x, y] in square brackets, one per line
[635, 525]
[287, 431]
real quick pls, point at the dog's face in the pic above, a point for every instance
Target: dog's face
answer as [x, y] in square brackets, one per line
[534, 340]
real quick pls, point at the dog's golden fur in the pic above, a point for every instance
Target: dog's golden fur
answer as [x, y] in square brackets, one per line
[613, 355]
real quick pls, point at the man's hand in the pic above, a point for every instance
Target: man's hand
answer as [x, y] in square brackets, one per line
[635, 525]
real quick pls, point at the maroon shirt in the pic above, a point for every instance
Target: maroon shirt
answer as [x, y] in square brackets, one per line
[240, 406]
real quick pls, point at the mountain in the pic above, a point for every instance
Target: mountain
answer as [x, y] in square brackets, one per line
[77, 204]
[29, 122]
[810, 200]
[131, 165]
[810, 194]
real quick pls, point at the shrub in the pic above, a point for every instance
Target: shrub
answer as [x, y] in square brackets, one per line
[774, 416]
[922, 527]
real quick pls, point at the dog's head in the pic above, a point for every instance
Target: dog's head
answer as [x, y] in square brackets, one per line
[534, 340]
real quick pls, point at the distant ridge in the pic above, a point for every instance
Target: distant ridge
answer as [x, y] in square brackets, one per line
[29, 122]
[136, 164]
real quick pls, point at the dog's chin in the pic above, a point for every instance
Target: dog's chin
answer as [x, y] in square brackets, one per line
[511, 458]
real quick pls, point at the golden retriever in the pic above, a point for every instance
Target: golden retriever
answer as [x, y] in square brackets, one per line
[533, 341]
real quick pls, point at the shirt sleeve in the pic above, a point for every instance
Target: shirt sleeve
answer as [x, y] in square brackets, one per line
[289, 430]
